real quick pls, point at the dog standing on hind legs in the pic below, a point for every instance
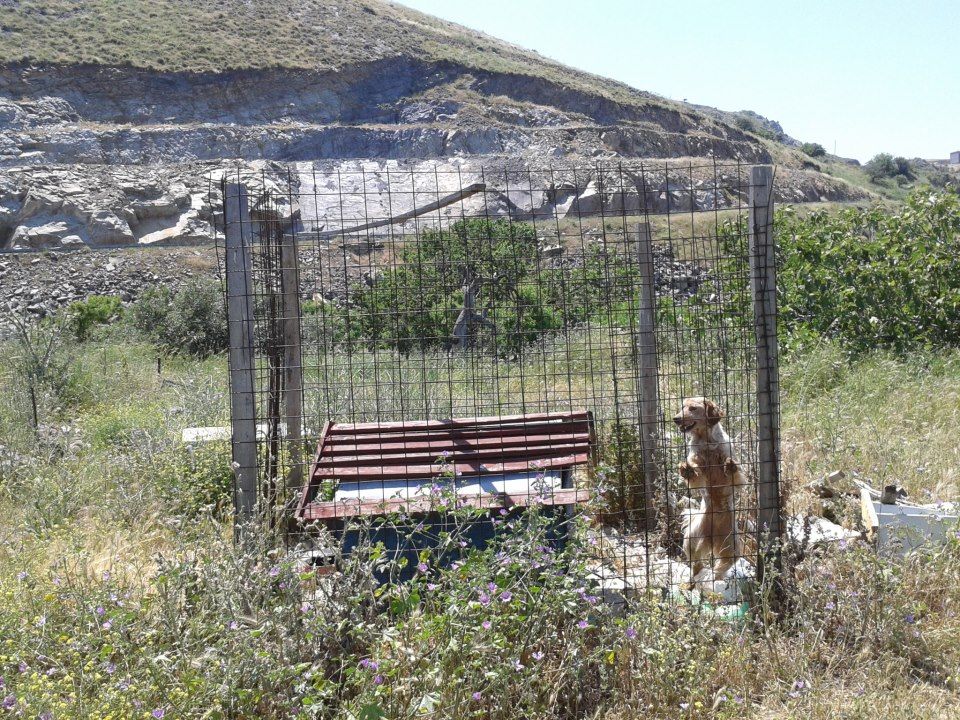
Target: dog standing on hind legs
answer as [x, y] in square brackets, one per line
[710, 535]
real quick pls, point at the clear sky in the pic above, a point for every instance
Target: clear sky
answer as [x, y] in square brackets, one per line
[871, 76]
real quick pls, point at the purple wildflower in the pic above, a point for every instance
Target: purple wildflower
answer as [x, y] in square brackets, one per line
[233, 625]
[484, 599]
[107, 625]
[684, 706]
[9, 702]
[45, 715]
[506, 596]
[100, 611]
[431, 586]
[423, 567]
[631, 633]
[3, 684]
[486, 624]
[517, 665]
[23, 667]
[477, 696]
[368, 664]
[378, 679]
[22, 576]
[583, 624]
[274, 571]
[106, 576]
[830, 605]
[158, 713]
[909, 619]
[537, 655]
[110, 668]
[492, 587]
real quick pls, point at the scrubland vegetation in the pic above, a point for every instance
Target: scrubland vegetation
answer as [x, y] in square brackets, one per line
[123, 595]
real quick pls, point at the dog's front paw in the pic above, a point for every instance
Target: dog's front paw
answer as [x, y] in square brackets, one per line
[687, 472]
[730, 467]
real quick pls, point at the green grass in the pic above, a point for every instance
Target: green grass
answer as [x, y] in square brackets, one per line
[101, 499]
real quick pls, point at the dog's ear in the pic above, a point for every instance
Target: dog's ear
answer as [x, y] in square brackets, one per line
[714, 413]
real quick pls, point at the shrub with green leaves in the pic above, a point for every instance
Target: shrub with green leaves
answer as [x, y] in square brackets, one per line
[191, 321]
[873, 278]
[813, 149]
[96, 310]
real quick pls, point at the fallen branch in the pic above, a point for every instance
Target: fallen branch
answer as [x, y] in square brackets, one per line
[410, 214]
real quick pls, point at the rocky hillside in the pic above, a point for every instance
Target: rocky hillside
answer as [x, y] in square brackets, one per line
[117, 118]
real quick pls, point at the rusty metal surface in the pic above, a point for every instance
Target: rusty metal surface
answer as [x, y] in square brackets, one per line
[418, 451]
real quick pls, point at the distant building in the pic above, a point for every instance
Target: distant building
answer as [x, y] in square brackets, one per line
[955, 158]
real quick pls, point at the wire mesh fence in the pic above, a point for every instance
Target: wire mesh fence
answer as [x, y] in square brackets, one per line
[593, 345]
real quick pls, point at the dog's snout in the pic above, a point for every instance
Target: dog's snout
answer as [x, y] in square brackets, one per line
[678, 419]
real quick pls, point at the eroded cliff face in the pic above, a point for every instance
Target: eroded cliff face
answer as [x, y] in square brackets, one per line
[111, 156]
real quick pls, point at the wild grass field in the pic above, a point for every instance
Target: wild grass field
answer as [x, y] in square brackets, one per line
[123, 595]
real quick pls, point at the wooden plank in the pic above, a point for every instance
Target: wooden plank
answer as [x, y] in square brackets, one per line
[309, 488]
[461, 445]
[868, 515]
[648, 370]
[292, 358]
[354, 508]
[494, 420]
[433, 469]
[763, 282]
[240, 358]
[495, 454]
[459, 435]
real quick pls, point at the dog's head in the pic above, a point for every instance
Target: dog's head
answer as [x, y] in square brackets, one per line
[697, 413]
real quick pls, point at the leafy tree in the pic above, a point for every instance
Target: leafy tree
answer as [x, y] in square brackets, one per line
[904, 168]
[881, 166]
[813, 149]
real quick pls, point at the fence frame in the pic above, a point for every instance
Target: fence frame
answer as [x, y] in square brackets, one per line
[240, 311]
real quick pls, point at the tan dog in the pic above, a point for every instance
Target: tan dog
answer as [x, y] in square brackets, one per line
[710, 537]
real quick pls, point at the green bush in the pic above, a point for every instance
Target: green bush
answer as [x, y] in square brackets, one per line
[196, 479]
[871, 278]
[813, 149]
[190, 322]
[885, 165]
[96, 310]
[881, 166]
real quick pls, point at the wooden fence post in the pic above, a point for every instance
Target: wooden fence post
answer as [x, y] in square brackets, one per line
[292, 357]
[648, 370]
[763, 284]
[239, 282]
